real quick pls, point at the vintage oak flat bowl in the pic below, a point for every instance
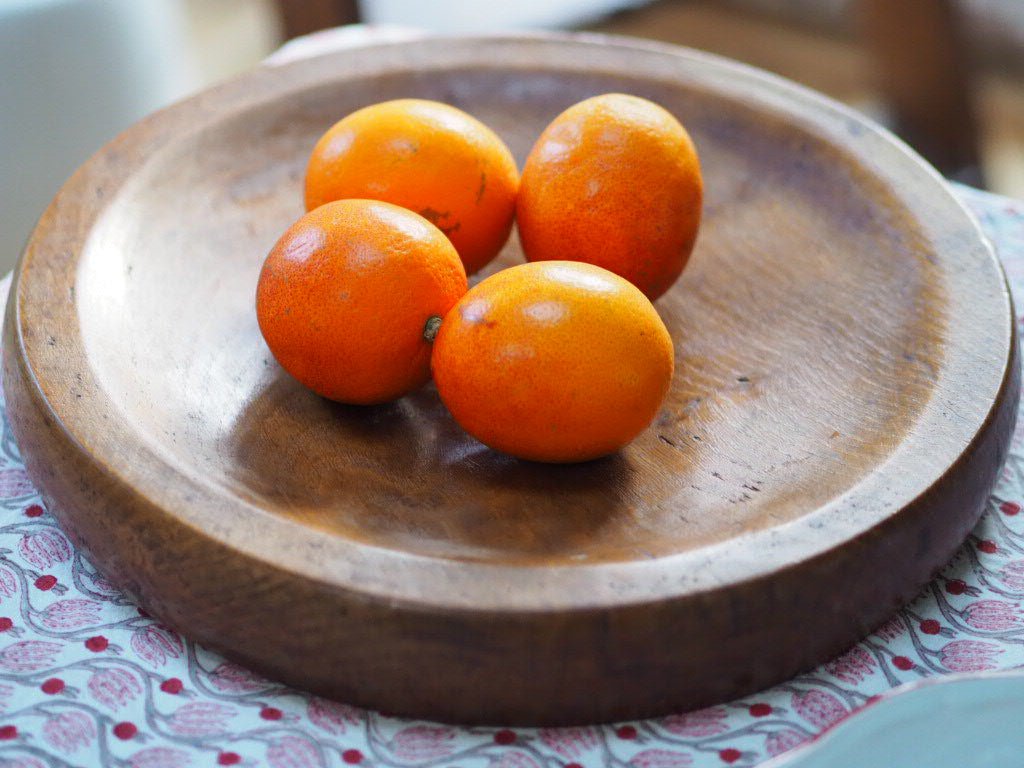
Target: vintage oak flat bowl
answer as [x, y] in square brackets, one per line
[845, 392]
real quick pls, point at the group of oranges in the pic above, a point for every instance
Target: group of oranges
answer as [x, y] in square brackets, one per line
[560, 359]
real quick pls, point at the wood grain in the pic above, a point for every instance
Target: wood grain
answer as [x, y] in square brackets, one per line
[845, 391]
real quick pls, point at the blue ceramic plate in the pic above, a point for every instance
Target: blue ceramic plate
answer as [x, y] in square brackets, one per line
[959, 721]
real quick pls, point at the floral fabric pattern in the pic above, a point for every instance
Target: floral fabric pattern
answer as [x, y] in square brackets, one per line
[89, 679]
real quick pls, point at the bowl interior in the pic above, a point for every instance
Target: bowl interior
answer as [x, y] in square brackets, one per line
[808, 330]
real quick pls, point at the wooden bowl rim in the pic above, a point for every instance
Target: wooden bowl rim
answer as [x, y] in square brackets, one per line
[369, 572]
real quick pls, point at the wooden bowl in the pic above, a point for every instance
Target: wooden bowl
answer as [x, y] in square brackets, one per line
[845, 392]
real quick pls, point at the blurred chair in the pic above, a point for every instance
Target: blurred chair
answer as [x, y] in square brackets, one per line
[300, 17]
[920, 50]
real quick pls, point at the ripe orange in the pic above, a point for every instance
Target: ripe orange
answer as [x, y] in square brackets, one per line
[346, 294]
[556, 361]
[428, 157]
[613, 181]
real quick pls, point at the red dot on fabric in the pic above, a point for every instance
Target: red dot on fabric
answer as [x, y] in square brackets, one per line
[988, 546]
[97, 644]
[46, 582]
[573, 765]
[626, 732]
[8, 732]
[5, 623]
[52, 686]
[271, 713]
[34, 511]
[171, 685]
[760, 710]
[730, 755]
[229, 758]
[902, 662]
[1009, 508]
[352, 756]
[125, 731]
[930, 627]
[505, 737]
[956, 586]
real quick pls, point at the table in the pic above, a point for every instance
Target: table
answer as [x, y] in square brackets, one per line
[86, 678]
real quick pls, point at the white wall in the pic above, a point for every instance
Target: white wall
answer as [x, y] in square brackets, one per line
[74, 73]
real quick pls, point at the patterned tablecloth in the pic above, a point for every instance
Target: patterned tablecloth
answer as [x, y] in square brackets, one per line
[87, 679]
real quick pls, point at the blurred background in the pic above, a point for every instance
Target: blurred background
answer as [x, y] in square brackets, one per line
[947, 75]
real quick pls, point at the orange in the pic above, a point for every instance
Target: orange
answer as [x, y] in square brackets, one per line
[555, 361]
[346, 297]
[428, 157]
[613, 181]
